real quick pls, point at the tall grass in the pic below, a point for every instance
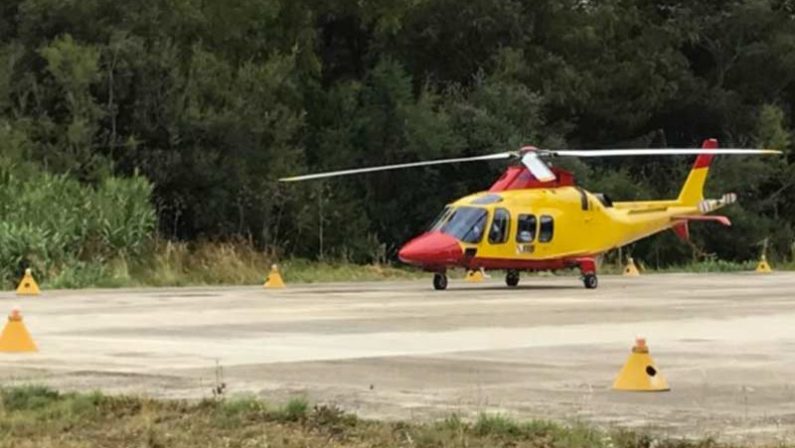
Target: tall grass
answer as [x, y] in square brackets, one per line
[166, 263]
[54, 224]
[163, 263]
[239, 263]
[77, 235]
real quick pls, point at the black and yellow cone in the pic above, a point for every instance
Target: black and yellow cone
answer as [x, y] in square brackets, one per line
[639, 372]
[275, 279]
[475, 276]
[15, 337]
[763, 267]
[631, 270]
[28, 286]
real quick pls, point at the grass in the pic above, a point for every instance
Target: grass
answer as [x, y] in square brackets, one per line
[712, 266]
[34, 416]
[706, 266]
[181, 264]
[200, 264]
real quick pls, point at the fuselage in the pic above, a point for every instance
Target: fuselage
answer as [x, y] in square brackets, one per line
[538, 228]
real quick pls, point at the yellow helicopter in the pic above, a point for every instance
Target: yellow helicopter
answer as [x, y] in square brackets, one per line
[535, 217]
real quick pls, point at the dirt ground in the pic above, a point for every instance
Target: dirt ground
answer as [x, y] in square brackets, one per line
[548, 349]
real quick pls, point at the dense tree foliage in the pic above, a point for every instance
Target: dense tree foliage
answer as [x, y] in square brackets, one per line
[213, 100]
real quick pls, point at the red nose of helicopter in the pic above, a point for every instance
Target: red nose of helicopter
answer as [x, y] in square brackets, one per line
[431, 249]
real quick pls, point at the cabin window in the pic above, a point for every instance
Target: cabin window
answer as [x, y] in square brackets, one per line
[546, 229]
[525, 228]
[466, 224]
[500, 225]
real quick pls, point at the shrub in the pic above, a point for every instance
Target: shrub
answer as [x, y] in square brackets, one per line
[51, 221]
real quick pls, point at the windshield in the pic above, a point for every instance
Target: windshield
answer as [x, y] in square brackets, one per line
[441, 219]
[466, 224]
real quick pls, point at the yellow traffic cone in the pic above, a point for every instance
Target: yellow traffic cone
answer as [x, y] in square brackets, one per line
[15, 337]
[639, 372]
[28, 285]
[631, 270]
[274, 278]
[763, 267]
[475, 276]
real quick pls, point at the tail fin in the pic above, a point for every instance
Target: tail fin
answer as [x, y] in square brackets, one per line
[693, 189]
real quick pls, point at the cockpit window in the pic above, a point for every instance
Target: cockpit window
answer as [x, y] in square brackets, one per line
[466, 224]
[441, 219]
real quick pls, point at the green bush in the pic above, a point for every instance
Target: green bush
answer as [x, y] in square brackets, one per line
[49, 222]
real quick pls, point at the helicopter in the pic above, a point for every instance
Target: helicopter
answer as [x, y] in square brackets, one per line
[536, 218]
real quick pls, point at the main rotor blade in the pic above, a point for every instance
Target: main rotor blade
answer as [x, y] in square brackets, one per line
[651, 152]
[498, 156]
[537, 167]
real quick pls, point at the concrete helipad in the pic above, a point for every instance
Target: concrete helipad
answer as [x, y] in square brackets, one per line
[548, 349]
